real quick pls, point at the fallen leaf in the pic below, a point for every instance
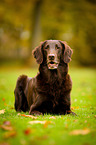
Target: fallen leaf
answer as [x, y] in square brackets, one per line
[7, 123]
[29, 116]
[75, 107]
[5, 104]
[9, 134]
[45, 122]
[80, 132]
[5, 127]
[53, 117]
[2, 111]
[85, 121]
[3, 99]
[72, 108]
[75, 120]
[88, 116]
[95, 116]
[37, 122]
[27, 131]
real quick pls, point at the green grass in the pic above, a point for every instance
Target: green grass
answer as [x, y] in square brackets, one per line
[58, 132]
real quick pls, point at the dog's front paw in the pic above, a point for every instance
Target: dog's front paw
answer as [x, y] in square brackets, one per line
[73, 113]
[35, 113]
[70, 112]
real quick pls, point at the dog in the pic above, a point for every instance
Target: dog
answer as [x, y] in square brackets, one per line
[49, 91]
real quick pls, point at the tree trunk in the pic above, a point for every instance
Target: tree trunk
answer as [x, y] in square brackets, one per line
[36, 29]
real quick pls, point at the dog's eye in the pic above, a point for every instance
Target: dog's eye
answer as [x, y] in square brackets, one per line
[57, 47]
[47, 47]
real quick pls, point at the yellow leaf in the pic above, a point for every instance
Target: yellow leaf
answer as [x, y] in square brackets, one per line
[29, 116]
[80, 132]
[95, 116]
[2, 111]
[75, 107]
[37, 122]
[45, 122]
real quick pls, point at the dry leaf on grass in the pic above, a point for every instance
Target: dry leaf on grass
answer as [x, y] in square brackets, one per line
[80, 132]
[9, 134]
[27, 131]
[3, 99]
[53, 117]
[7, 123]
[5, 104]
[75, 107]
[37, 122]
[5, 127]
[88, 116]
[45, 122]
[95, 116]
[29, 116]
[2, 111]
[75, 120]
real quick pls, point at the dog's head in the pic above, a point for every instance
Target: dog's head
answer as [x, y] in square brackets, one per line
[52, 52]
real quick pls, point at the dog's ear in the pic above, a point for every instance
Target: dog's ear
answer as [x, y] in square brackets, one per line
[37, 53]
[67, 52]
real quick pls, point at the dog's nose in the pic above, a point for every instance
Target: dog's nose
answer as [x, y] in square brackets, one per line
[51, 56]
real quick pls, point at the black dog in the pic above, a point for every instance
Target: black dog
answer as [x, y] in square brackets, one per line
[49, 91]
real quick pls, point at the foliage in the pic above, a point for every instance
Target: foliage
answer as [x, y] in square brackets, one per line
[71, 21]
[59, 129]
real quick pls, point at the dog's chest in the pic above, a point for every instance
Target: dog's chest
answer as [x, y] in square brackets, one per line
[53, 88]
[54, 91]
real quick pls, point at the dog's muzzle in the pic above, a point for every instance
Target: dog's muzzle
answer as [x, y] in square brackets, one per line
[52, 62]
[52, 65]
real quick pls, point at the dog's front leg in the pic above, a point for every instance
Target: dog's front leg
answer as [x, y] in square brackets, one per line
[34, 107]
[67, 104]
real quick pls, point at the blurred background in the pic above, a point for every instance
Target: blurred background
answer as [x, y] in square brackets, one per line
[25, 23]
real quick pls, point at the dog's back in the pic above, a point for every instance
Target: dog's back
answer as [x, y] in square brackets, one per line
[20, 98]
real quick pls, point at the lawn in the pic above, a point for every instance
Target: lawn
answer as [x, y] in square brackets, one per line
[56, 130]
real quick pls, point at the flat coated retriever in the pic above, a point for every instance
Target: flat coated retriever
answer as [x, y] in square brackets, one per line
[49, 91]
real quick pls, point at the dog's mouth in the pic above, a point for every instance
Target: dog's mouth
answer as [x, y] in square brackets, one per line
[52, 65]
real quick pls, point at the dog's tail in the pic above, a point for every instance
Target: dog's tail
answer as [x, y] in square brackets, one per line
[21, 103]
